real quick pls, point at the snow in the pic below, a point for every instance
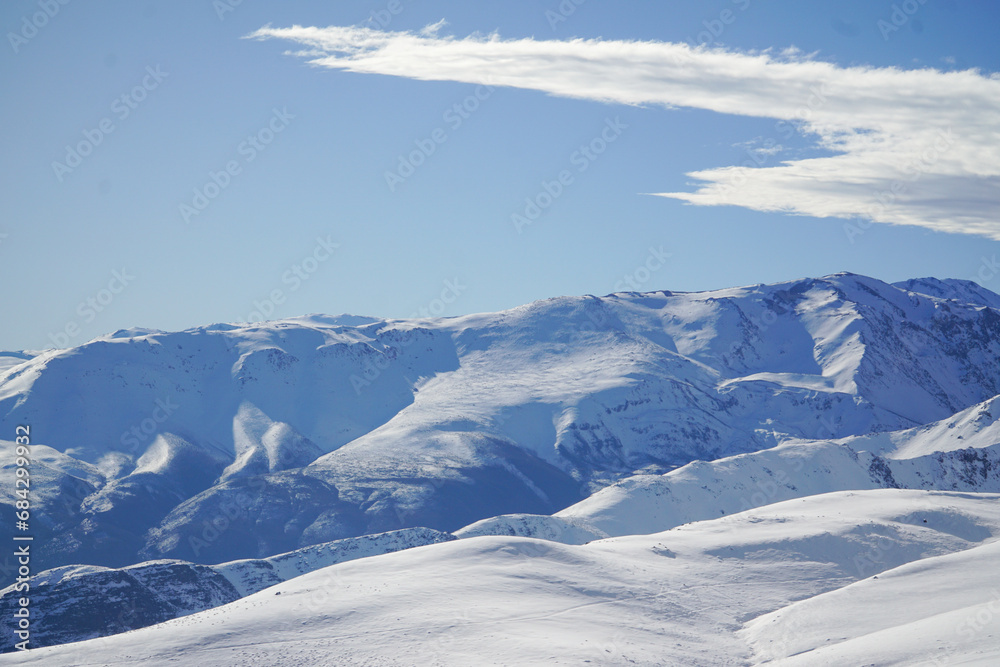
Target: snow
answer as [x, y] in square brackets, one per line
[976, 427]
[694, 595]
[964, 291]
[249, 576]
[634, 476]
[961, 452]
[553, 528]
[929, 612]
[77, 602]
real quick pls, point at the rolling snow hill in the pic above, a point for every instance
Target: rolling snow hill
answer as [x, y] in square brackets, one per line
[867, 577]
[78, 602]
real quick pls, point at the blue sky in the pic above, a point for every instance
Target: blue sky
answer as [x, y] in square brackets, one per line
[228, 179]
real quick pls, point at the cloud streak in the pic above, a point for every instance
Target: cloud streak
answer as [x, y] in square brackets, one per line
[908, 147]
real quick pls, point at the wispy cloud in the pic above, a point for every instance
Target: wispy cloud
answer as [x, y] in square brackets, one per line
[908, 147]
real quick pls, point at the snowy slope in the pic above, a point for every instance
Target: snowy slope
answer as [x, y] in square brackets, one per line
[568, 530]
[317, 428]
[250, 576]
[930, 612]
[976, 427]
[647, 504]
[959, 453]
[964, 291]
[688, 596]
[9, 360]
[78, 602]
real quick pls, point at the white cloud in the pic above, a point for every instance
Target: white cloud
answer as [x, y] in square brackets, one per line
[911, 147]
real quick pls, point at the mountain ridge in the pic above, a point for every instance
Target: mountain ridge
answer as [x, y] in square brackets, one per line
[332, 427]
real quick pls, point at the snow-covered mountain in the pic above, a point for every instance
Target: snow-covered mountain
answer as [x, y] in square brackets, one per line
[569, 420]
[77, 602]
[960, 453]
[868, 577]
[228, 442]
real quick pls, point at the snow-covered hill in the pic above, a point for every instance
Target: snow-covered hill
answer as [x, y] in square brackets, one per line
[841, 578]
[938, 614]
[960, 453]
[313, 429]
[77, 602]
